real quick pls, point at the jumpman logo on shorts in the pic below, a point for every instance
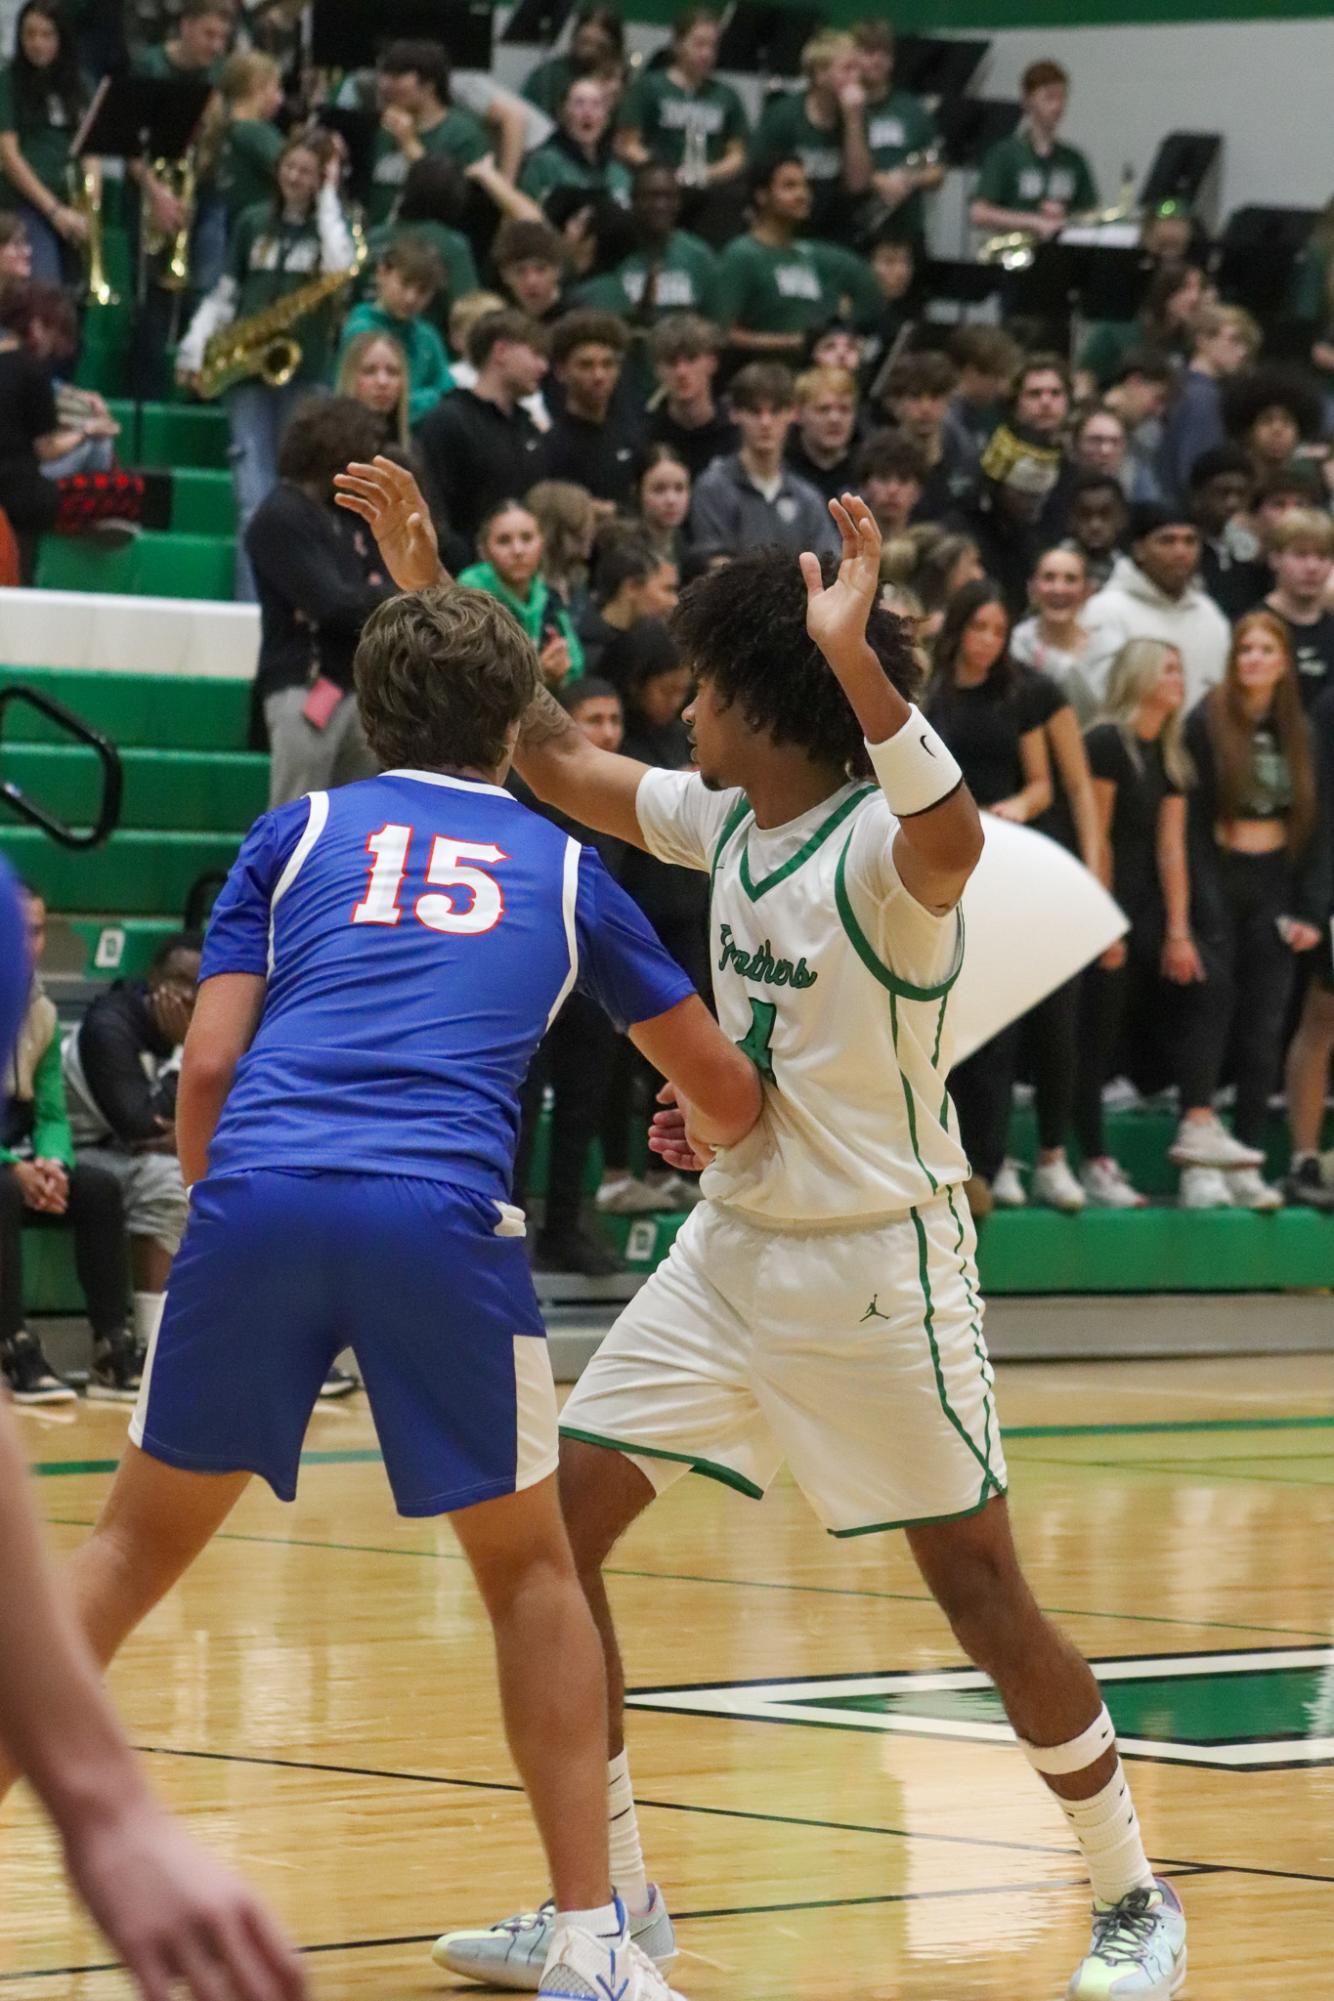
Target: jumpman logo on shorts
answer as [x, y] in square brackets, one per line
[872, 1312]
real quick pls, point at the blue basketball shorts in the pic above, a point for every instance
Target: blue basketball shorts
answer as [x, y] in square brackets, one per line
[427, 1283]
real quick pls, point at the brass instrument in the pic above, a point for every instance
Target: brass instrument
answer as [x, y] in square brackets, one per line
[1015, 249]
[262, 345]
[181, 179]
[86, 199]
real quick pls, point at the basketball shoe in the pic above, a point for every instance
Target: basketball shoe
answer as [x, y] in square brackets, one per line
[513, 1953]
[582, 1966]
[1138, 1950]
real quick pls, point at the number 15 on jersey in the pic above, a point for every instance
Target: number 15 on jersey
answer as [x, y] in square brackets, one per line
[476, 905]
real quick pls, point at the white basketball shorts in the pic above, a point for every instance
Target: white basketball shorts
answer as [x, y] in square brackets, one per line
[855, 1356]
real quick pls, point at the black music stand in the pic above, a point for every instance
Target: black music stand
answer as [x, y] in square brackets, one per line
[135, 118]
[766, 41]
[357, 130]
[537, 22]
[352, 34]
[959, 282]
[1097, 281]
[1181, 166]
[971, 126]
[936, 66]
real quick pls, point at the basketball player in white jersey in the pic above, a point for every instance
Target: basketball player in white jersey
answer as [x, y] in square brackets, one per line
[821, 1304]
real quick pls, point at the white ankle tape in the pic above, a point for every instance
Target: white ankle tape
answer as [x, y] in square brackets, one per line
[1057, 1761]
[915, 767]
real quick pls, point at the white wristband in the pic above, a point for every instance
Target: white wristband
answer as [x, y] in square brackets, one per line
[915, 767]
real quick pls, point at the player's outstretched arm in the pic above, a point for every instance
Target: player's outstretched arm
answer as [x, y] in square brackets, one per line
[940, 834]
[390, 502]
[171, 1912]
[598, 787]
[222, 1028]
[718, 1087]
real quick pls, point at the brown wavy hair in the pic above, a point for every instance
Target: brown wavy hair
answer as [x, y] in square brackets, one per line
[1232, 728]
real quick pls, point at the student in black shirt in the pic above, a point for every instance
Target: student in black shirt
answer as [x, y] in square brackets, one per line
[992, 714]
[319, 579]
[1312, 1047]
[685, 414]
[594, 441]
[1222, 488]
[479, 445]
[1301, 557]
[1140, 777]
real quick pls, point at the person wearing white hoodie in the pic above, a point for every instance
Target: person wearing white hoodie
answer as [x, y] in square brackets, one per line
[1155, 593]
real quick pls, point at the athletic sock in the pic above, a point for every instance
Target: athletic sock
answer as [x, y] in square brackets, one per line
[148, 1317]
[1105, 1825]
[1108, 1832]
[607, 1921]
[627, 1855]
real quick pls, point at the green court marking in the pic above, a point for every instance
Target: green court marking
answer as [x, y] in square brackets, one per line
[59, 1469]
[748, 1583]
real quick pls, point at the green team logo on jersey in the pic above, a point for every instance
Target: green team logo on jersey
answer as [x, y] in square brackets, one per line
[761, 964]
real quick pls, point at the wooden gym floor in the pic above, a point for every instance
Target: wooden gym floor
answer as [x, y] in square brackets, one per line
[317, 1700]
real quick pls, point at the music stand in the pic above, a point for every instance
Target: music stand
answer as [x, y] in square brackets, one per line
[537, 22]
[357, 130]
[971, 126]
[1096, 281]
[1181, 166]
[934, 66]
[352, 34]
[136, 118]
[766, 41]
[1258, 255]
[961, 282]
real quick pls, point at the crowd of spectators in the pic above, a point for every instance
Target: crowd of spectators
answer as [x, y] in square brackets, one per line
[621, 332]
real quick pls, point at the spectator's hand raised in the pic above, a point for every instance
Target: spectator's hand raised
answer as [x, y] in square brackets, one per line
[554, 660]
[390, 502]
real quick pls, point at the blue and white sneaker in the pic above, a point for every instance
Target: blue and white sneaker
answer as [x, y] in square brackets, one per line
[583, 1966]
[1138, 1951]
[513, 1953]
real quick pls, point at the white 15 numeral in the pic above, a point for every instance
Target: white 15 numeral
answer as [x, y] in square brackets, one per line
[447, 869]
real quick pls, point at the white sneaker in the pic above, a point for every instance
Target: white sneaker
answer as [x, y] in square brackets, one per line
[1138, 1949]
[1106, 1186]
[1056, 1188]
[1120, 1095]
[1205, 1188]
[583, 1967]
[1007, 1190]
[626, 1196]
[1208, 1143]
[678, 1191]
[1249, 1191]
[513, 1953]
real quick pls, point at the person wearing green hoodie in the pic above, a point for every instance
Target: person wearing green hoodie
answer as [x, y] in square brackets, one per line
[509, 543]
[407, 277]
[41, 1186]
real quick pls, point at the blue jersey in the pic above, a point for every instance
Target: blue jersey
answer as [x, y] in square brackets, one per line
[15, 969]
[418, 934]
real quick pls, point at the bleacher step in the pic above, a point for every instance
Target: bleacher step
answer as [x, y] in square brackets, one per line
[136, 874]
[183, 791]
[149, 711]
[154, 565]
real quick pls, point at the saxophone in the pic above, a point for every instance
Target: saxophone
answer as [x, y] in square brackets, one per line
[262, 345]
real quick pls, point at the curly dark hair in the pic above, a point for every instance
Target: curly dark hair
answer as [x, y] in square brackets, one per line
[1248, 395]
[323, 435]
[743, 629]
[441, 676]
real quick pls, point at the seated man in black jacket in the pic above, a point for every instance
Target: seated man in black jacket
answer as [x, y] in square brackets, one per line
[121, 1068]
[319, 579]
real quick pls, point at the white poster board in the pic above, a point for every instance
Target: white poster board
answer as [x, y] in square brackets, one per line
[1035, 917]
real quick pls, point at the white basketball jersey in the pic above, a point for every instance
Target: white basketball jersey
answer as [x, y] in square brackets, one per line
[837, 984]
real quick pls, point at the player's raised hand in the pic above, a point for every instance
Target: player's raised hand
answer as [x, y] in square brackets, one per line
[390, 502]
[836, 614]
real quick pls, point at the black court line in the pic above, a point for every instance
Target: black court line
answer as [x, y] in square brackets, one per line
[1165, 1863]
[680, 1917]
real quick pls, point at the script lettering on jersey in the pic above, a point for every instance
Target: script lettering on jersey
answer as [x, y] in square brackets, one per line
[760, 964]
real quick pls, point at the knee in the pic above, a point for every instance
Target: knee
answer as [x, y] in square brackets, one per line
[984, 1599]
[95, 1196]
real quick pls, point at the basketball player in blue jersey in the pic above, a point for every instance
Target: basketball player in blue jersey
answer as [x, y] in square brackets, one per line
[378, 972]
[821, 1304]
[170, 1911]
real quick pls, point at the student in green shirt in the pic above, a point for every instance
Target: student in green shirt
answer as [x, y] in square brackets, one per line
[899, 129]
[417, 119]
[510, 545]
[578, 154]
[776, 287]
[42, 99]
[196, 49]
[671, 271]
[252, 145]
[1032, 180]
[407, 278]
[681, 114]
[823, 126]
[275, 249]
[193, 53]
[597, 48]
